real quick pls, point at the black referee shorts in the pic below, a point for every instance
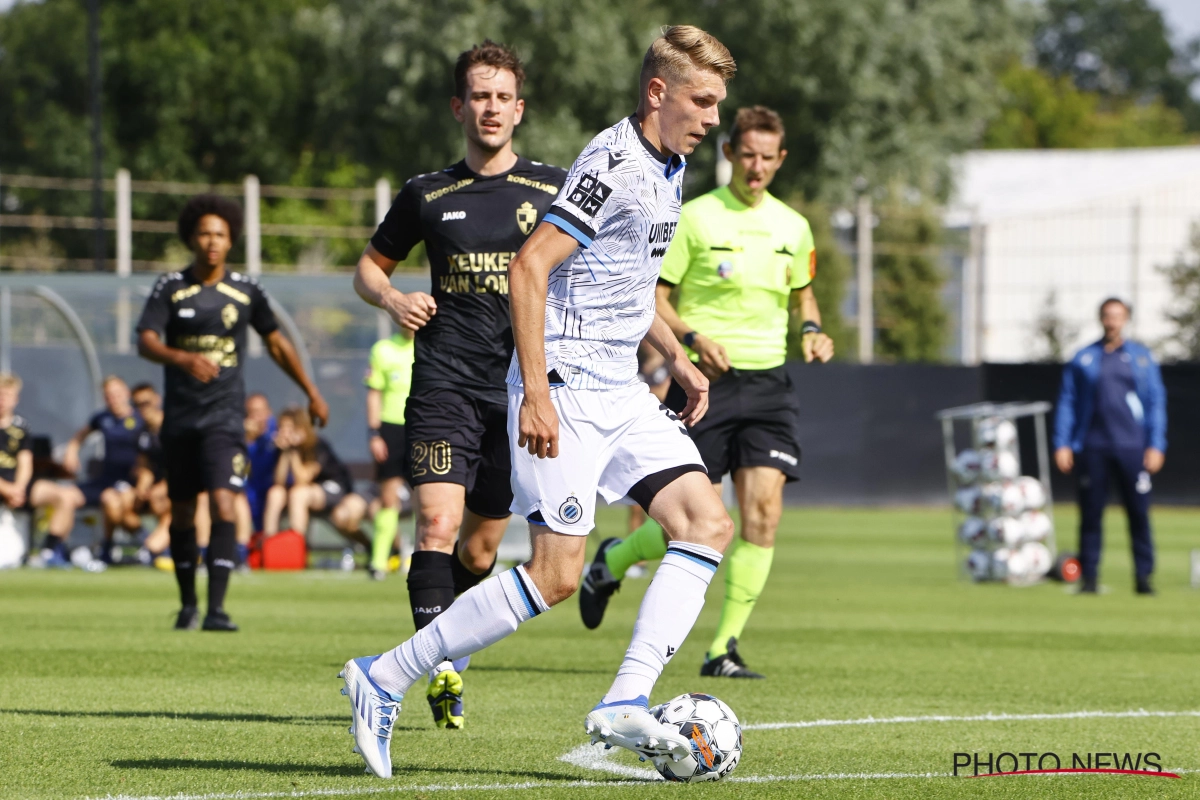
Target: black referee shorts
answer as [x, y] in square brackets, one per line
[203, 460]
[456, 438]
[397, 447]
[751, 422]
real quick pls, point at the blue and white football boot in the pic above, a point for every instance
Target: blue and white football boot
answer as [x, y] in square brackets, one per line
[630, 724]
[374, 711]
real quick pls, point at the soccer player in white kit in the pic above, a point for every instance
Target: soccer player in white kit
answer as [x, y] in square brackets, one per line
[582, 291]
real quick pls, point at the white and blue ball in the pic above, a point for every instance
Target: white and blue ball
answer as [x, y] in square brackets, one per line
[713, 731]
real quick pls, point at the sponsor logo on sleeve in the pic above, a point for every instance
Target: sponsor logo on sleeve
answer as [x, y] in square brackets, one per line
[589, 195]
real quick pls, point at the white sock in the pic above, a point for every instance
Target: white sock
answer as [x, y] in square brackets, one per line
[668, 612]
[481, 616]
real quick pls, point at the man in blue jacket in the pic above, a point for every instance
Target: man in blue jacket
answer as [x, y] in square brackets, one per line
[1112, 421]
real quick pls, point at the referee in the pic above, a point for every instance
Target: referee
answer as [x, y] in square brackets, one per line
[742, 263]
[388, 381]
[195, 324]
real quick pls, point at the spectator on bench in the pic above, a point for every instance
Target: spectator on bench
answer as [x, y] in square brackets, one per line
[149, 493]
[310, 477]
[18, 490]
[121, 427]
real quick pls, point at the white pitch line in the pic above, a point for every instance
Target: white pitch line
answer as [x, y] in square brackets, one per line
[989, 717]
[523, 786]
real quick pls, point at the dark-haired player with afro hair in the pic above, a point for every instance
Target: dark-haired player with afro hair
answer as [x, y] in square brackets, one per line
[194, 324]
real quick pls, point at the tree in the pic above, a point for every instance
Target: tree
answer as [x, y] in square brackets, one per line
[1040, 111]
[910, 318]
[1184, 277]
[885, 90]
[1117, 48]
[829, 287]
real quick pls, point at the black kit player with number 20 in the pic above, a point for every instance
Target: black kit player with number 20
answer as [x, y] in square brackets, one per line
[473, 217]
[195, 324]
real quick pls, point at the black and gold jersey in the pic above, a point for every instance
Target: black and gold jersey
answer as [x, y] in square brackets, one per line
[472, 226]
[211, 320]
[13, 439]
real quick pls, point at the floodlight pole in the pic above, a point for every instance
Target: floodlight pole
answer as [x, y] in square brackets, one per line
[94, 81]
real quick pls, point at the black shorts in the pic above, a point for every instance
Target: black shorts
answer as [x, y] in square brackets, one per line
[397, 460]
[751, 422]
[201, 461]
[334, 494]
[455, 438]
[94, 488]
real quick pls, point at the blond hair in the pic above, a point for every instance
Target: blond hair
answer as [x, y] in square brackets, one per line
[682, 48]
[10, 381]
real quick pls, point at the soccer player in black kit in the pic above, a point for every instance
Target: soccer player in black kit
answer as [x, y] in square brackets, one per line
[473, 217]
[194, 324]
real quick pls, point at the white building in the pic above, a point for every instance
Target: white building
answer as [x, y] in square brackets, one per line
[1079, 224]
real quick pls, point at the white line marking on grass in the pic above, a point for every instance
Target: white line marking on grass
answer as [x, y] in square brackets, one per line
[594, 756]
[989, 717]
[523, 786]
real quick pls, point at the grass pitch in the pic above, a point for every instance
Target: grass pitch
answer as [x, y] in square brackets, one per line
[864, 617]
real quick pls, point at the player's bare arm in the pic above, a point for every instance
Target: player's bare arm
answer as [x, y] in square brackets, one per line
[814, 344]
[16, 490]
[690, 379]
[152, 348]
[284, 354]
[528, 275]
[714, 361]
[372, 281]
[378, 447]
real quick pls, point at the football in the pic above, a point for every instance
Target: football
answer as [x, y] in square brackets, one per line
[966, 467]
[1006, 531]
[973, 531]
[714, 732]
[1037, 525]
[967, 500]
[979, 565]
[1033, 492]
[998, 465]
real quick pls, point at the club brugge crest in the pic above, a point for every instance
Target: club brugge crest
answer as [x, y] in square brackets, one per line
[570, 511]
[526, 217]
[725, 269]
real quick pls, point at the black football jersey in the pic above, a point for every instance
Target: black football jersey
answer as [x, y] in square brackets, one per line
[472, 226]
[13, 439]
[211, 320]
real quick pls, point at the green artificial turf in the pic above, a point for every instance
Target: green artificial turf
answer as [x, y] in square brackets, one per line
[864, 616]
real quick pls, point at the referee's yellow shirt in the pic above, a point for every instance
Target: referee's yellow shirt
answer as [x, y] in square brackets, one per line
[391, 374]
[736, 267]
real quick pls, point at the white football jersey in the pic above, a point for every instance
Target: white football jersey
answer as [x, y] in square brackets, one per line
[621, 201]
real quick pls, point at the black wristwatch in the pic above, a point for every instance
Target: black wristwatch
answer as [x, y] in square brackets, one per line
[689, 339]
[808, 326]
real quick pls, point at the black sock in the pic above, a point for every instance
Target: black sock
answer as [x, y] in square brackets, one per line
[430, 585]
[221, 558]
[463, 578]
[52, 542]
[186, 556]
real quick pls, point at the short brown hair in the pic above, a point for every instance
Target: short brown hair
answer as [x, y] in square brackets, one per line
[682, 48]
[755, 118]
[10, 381]
[489, 54]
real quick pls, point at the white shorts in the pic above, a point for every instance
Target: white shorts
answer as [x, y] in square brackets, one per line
[609, 440]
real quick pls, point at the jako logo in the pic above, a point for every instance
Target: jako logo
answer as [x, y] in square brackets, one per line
[790, 459]
[434, 610]
[449, 215]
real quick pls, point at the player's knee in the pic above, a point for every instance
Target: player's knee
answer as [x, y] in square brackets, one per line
[277, 494]
[438, 528]
[717, 532]
[225, 506]
[478, 563]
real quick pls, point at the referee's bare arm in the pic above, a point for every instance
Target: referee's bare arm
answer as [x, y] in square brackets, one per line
[372, 281]
[528, 277]
[814, 344]
[714, 361]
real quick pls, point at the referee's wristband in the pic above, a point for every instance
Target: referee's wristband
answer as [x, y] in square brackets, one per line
[372, 433]
[688, 339]
[808, 326]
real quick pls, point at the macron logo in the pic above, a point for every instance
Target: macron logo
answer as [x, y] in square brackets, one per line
[452, 215]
